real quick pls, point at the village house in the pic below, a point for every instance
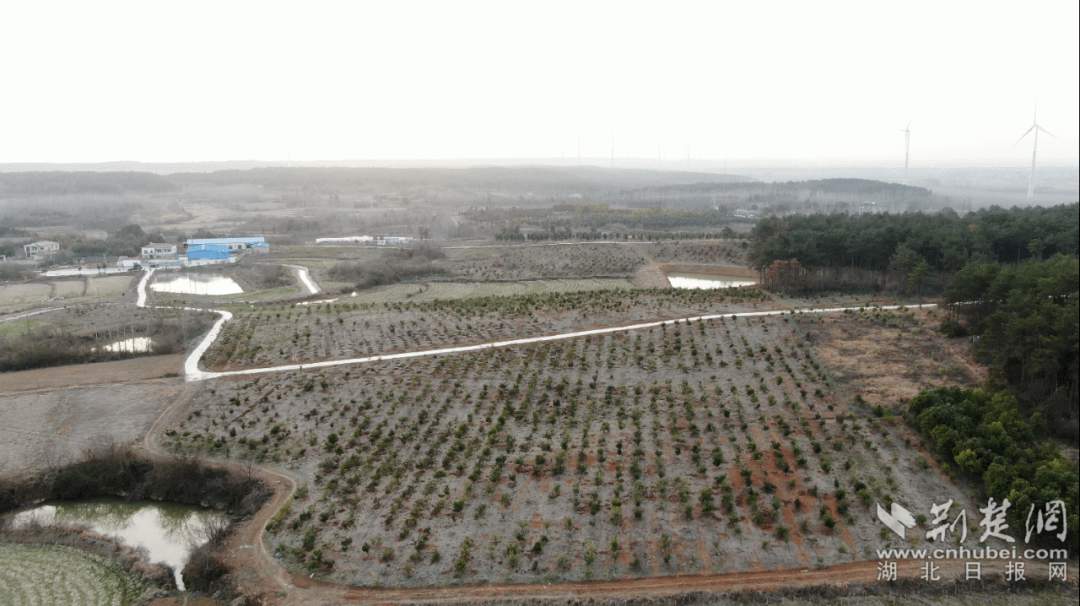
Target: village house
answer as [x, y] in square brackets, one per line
[40, 249]
[156, 251]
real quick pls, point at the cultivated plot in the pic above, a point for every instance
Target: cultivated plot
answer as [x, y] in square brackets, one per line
[711, 447]
[270, 336]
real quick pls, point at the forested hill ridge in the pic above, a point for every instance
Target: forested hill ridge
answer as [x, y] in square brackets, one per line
[943, 241]
[629, 185]
[58, 183]
[860, 190]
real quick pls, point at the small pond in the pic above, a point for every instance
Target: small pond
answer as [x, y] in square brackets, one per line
[168, 531]
[197, 284]
[707, 281]
[133, 345]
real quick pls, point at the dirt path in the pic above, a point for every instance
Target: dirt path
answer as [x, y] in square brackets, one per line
[713, 269]
[650, 275]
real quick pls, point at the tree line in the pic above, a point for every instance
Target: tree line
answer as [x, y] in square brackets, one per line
[912, 247]
[1028, 320]
[987, 437]
[82, 182]
[576, 218]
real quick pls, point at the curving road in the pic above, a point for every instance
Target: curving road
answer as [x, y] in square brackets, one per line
[305, 278]
[247, 548]
[192, 372]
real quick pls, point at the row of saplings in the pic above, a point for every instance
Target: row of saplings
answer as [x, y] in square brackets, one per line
[109, 470]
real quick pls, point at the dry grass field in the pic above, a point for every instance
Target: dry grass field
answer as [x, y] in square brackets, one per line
[888, 357]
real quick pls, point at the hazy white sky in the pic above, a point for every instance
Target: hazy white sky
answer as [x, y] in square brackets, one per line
[817, 81]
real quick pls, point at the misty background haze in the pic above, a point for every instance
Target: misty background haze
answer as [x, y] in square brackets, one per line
[771, 84]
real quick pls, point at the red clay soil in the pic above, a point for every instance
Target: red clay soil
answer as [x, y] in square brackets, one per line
[259, 574]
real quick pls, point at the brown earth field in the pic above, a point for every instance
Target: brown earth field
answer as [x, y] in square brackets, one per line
[700, 449]
[888, 357]
[103, 373]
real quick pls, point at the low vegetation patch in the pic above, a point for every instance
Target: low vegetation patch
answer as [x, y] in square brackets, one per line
[985, 437]
[112, 470]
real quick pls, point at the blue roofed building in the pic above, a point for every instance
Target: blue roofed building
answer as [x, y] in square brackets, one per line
[216, 252]
[231, 243]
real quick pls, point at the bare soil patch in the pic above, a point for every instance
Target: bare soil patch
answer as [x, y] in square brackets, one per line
[48, 426]
[61, 377]
[888, 357]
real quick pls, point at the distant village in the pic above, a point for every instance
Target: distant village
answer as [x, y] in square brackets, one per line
[200, 251]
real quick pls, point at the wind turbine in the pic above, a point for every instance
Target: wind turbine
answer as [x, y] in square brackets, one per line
[907, 142]
[1034, 127]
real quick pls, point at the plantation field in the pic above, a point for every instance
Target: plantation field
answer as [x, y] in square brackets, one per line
[538, 262]
[350, 328]
[711, 447]
[719, 252]
[400, 293]
[44, 575]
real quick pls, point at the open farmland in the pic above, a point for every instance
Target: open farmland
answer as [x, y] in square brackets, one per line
[46, 426]
[20, 296]
[271, 335]
[714, 446]
[42, 575]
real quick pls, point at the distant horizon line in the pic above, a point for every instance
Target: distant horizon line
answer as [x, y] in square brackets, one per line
[668, 165]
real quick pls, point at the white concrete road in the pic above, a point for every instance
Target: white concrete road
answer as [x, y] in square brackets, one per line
[192, 372]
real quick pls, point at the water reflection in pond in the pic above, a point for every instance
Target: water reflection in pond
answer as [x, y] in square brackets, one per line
[168, 531]
[707, 281]
[133, 345]
[197, 284]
